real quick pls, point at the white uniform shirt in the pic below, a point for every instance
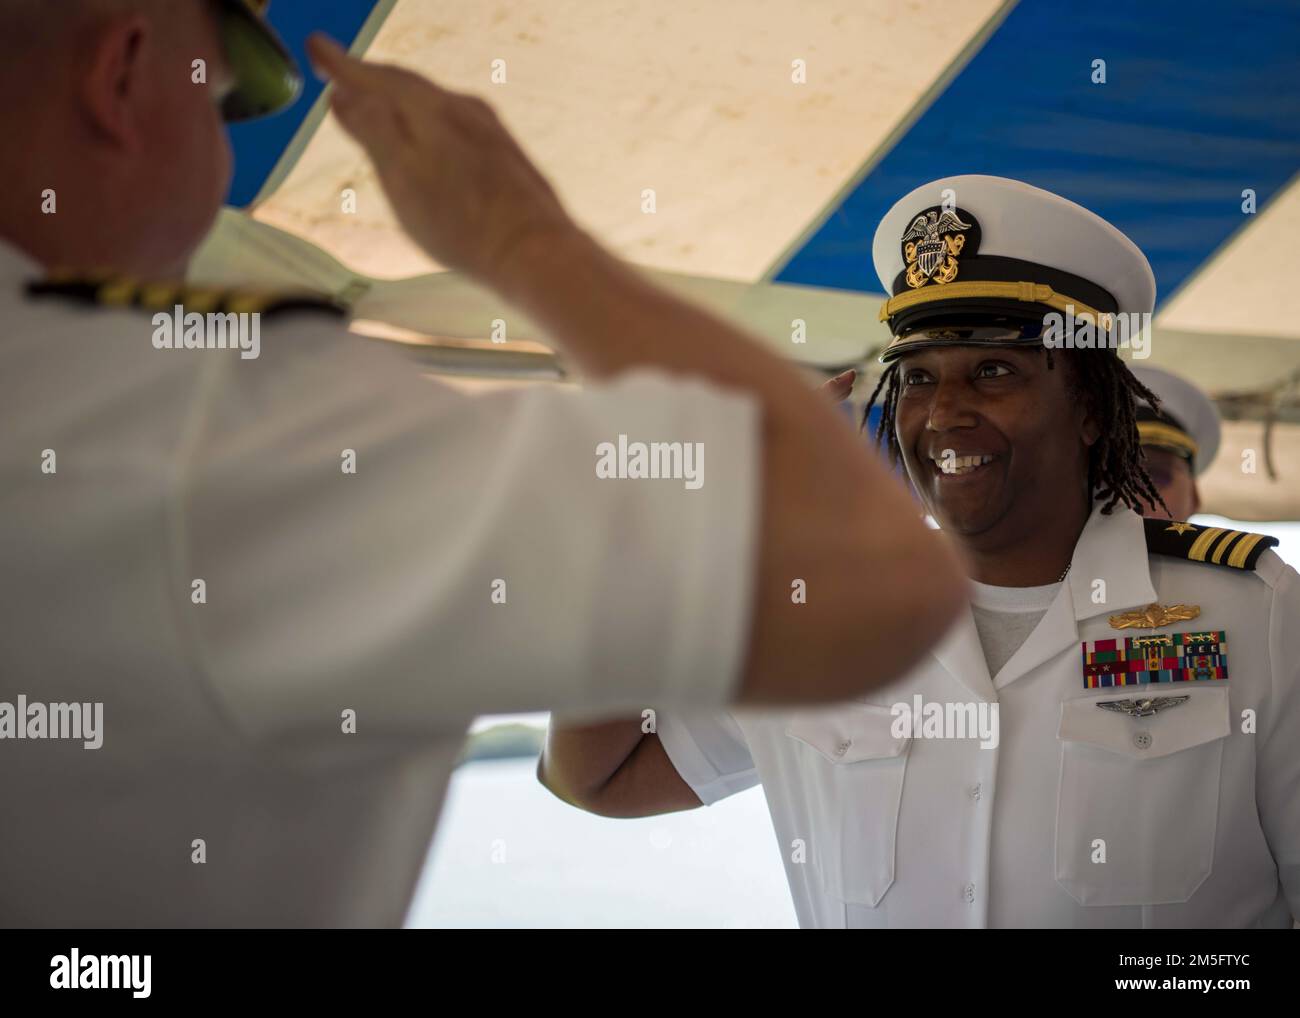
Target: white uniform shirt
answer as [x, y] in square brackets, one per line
[1199, 820]
[326, 592]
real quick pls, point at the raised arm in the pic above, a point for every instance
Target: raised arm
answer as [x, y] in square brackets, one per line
[880, 587]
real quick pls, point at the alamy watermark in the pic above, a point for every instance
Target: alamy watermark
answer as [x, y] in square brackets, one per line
[682, 461]
[77, 971]
[946, 719]
[1086, 331]
[182, 330]
[24, 720]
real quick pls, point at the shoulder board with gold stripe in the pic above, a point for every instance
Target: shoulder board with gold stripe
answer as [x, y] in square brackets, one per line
[1237, 549]
[123, 292]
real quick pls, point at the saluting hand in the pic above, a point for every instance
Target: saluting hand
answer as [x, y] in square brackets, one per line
[460, 185]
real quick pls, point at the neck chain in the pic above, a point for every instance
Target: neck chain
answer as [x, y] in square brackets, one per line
[1061, 578]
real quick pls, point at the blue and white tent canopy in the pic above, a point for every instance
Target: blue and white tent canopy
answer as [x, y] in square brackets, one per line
[744, 150]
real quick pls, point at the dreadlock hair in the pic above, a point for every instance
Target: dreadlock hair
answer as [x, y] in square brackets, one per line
[1115, 470]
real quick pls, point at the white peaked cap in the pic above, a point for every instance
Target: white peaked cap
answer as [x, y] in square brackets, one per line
[1010, 247]
[1188, 422]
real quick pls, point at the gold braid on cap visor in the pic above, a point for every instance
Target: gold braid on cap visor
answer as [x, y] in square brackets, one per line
[1030, 293]
[1160, 433]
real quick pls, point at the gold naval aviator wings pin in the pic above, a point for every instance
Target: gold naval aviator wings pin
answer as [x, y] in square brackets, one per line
[1143, 708]
[1153, 616]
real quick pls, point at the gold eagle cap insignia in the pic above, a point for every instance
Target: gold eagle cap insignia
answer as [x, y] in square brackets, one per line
[1153, 616]
[931, 247]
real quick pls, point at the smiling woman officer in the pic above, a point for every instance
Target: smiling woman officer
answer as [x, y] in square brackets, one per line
[1141, 775]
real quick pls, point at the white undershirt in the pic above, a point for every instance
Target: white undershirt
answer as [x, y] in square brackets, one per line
[1005, 616]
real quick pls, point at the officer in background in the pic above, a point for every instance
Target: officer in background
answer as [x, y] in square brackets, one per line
[1179, 441]
[1107, 737]
[251, 604]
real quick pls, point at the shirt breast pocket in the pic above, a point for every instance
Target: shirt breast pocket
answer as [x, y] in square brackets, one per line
[1138, 803]
[850, 773]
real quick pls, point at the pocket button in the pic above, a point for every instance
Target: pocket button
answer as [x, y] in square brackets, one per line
[1142, 740]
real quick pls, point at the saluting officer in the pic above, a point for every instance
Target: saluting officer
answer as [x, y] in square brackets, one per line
[291, 580]
[1108, 736]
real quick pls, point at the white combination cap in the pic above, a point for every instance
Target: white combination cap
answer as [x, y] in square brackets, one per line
[974, 259]
[1186, 423]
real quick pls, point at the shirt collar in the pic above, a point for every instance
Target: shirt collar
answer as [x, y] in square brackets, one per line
[1111, 549]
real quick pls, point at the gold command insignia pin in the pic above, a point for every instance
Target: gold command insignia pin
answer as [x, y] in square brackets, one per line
[1180, 528]
[1153, 616]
